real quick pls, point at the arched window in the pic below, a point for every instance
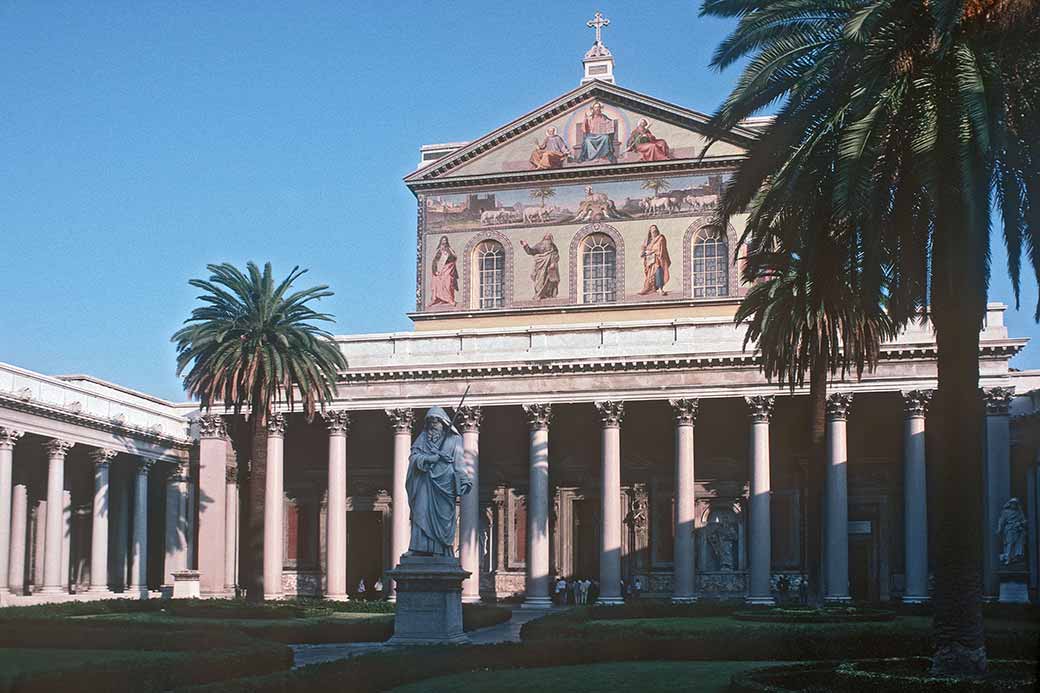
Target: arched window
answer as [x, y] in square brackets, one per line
[710, 269]
[598, 269]
[491, 274]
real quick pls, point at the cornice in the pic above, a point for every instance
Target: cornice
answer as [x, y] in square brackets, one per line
[96, 423]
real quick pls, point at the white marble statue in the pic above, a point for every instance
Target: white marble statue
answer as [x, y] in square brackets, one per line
[436, 477]
[1011, 528]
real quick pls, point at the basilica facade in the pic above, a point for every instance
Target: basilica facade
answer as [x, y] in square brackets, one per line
[568, 275]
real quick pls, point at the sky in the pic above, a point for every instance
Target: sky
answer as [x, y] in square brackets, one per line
[140, 141]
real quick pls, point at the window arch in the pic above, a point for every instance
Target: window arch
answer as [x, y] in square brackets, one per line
[490, 268]
[598, 269]
[709, 263]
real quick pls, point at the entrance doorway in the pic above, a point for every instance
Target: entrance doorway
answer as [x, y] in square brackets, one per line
[364, 550]
[586, 539]
[863, 564]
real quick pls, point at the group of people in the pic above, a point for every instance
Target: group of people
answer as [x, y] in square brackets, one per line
[575, 591]
[376, 592]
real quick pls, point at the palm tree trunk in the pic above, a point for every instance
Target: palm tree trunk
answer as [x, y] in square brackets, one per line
[253, 561]
[816, 469]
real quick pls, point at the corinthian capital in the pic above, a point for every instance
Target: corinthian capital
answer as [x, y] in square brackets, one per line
[401, 419]
[838, 404]
[276, 425]
[8, 437]
[56, 447]
[470, 418]
[761, 407]
[538, 415]
[212, 426]
[101, 457]
[338, 422]
[998, 400]
[611, 413]
[685, 411]
[915, 402]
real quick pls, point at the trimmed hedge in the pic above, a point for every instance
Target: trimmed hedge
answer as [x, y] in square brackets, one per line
[850, 614]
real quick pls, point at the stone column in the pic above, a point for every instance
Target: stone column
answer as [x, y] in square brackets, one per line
[177, 522]
[537, 588]
[915, 497]
[66, 540]
[101, 459]
[19, 530]
[231, 530]
[469, 522]
[212, 506]
[8, 438]
[401, 420]
[139, 544]
[336, 518]
[274, 500]
[997, 482]
[56, 451]
[119, 525]
[836, 513]
[611, 414]
[684, 572]
[761, 553]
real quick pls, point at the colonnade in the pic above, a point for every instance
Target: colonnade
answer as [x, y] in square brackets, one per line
[54, 524]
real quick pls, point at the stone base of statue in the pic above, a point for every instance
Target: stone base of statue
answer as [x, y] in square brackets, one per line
[429, 601]
[1014, 581]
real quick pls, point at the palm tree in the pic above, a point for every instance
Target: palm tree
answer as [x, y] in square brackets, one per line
[543, 193]
[934, 104]
[656, 185]
[252, 345]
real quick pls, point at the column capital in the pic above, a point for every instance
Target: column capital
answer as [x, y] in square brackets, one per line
[276, 425]
[231, 474]
[180, 472]
[838, 404]
[144, 464]
[915, 402]
[611, 413]
[538, 415]
[401, 419]
[470, 418]
[998, 400]
[338, 422]
[212, 426]
[102, 457]
[56, 447]
[8, 437]
[685, 410]
[761, 407]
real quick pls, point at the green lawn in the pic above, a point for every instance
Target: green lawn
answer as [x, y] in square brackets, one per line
[15, 662]
[712, 625]
[161, 617]
[650, 677]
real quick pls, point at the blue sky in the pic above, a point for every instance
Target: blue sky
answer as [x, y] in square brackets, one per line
[142, 140]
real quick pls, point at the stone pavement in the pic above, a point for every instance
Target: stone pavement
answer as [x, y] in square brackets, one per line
[509, 631]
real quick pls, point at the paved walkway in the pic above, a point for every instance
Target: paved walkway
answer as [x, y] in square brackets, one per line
[509, 631]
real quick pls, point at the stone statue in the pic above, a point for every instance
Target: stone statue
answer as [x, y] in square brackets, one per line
[1011, 528]
[436, 477]
[722, 540]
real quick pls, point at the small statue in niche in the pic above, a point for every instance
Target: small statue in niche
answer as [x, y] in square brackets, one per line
[1011, 528]
[721, 535]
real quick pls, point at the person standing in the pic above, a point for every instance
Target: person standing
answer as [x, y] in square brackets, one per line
[546, 272]
[445, 274]
[655, 262]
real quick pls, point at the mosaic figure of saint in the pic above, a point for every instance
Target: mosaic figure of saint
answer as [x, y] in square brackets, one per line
[436, 478]
[552, 152]
[655, 262]
[546, 272]
[643, 142]
[598, 131]
[445, 274]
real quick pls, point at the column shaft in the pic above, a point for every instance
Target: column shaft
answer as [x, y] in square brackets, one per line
[8, 438]
[998, 483]
[336, 520]
[231, 530]
[54, 518]
[611, 414]
[469, 522]
[836, 522]
[99, 522]
[684, 572]
[915, 498]
[212, 505]
[66, 540]
[760, 590]
[537, 588]
[401, 421]
[19, 530]
[139, 545]
[274, 499]
[176, 525]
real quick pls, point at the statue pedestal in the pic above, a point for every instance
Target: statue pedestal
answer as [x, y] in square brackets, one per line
[1014, 587]
[429, 601]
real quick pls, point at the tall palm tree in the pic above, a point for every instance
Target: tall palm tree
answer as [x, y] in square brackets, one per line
[250, 346]
[543, 193]
[656, 185]
[935, 107]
